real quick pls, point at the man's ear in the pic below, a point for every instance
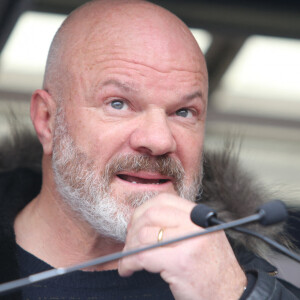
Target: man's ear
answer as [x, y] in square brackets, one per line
[42, 112]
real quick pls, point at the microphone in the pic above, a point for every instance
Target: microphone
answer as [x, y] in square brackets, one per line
[19, 283]
[269, 213]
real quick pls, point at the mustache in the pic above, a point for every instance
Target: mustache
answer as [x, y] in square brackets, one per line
[164, 165]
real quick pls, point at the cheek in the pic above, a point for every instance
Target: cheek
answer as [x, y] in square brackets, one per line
[190, 149]
[104, 142]
[98, 139]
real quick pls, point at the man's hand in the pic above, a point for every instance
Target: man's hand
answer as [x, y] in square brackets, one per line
[199, 268]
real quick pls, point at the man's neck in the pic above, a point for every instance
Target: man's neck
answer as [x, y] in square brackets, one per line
[54, 234]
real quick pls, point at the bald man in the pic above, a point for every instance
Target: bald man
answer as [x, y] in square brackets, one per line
[121, 119]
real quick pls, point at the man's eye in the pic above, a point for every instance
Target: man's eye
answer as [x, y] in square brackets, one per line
[118, 104]
[184, 113]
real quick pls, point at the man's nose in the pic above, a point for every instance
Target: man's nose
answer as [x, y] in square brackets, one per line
[153, 135]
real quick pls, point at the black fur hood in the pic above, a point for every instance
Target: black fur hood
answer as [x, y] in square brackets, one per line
[232, 192]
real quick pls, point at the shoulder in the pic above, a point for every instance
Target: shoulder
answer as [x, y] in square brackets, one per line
[17, 188]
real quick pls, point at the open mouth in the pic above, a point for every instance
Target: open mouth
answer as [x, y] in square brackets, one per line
[141, 180]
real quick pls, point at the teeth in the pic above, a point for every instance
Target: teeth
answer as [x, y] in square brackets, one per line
[136, 182]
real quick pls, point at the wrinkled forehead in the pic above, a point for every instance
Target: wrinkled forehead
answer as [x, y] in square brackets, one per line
[141, 30]
[138, 33]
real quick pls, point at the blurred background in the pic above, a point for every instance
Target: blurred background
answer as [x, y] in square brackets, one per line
[252, 50]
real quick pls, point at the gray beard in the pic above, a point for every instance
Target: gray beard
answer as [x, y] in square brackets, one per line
[87, 192]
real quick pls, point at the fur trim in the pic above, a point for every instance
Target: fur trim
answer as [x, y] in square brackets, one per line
[20, 148]
[232, 192]
[235, 194]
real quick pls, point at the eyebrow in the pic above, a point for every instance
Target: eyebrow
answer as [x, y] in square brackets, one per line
[130, 87]
[197, 94]
[126, 86]
[192, 96]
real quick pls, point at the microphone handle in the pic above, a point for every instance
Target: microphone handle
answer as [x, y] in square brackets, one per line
[19, 283]
[267, 240]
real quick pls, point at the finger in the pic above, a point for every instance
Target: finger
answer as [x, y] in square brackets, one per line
[151, 260]
[144, 231]
[165, 258]
[161, 216]
[149, 235]
[160, 201]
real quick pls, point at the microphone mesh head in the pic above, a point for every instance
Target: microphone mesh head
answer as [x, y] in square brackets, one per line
[201, 214]
[272, 212]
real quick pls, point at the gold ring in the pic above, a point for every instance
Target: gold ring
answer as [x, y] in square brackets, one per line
[160, 235]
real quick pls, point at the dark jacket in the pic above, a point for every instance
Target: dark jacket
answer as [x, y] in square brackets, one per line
[231, 192]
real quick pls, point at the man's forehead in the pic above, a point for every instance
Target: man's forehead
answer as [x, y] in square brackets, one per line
[151, 31]
[151, 42]
[131, 72]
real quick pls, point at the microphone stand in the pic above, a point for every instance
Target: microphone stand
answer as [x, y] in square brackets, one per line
[266, 239]
[19, 283]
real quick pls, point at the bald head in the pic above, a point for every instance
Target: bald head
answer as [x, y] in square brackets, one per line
[146, 30]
